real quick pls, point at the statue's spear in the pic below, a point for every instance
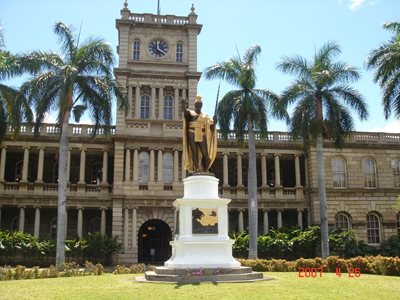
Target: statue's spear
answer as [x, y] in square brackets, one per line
[216, 101]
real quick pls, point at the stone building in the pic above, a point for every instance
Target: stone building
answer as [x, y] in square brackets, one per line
[124, 184]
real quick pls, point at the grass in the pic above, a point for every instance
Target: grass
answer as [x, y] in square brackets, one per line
[284, 286]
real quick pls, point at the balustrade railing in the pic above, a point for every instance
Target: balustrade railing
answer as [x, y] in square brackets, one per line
[53, 130]
[274, 136]
[159, 19]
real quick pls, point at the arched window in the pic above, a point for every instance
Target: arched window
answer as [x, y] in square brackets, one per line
[373, 228]
[179, 52]
[136, 50]
[145, 107]
[339, 172]
[96, 173]
[143, 167]
[396, 172]
[94, 225]
[369, 170]
[168, 106]
[342, 221]
[168, 168]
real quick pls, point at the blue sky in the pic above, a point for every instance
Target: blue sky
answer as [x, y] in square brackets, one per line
[280, 27]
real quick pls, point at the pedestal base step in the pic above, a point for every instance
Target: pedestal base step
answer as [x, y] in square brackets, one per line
[240, 274]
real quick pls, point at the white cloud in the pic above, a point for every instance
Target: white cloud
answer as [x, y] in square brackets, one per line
[355, 4]
[393, 127]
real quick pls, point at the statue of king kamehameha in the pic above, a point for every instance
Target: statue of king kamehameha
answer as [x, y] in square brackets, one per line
[199, 139]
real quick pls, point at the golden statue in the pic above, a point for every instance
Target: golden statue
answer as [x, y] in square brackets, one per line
[199, 138]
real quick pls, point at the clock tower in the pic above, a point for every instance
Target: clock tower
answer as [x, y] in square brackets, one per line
[158, 66]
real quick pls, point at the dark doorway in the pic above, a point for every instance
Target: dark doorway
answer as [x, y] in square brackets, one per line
[153, 241]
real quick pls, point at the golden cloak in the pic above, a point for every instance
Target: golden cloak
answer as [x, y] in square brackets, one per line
[210, 133]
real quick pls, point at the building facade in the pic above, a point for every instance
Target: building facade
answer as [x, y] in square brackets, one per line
[124, 184]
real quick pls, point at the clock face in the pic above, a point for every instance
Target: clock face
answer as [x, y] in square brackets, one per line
[158, 48]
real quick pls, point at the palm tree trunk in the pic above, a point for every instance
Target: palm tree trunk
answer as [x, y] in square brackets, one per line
[252, 193]
[322, 197]
[62, 192]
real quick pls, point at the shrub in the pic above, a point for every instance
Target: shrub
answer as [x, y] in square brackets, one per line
[366, 265]
[133, 269]
[334, 262]
[391, 247]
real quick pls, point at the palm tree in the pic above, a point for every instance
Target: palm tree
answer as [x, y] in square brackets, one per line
[247, 108]
[14, 108]
[322, 95]
[78, 79]
[386, 61]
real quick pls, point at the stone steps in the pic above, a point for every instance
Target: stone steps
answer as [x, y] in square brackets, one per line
[206, 271]
[240, 274]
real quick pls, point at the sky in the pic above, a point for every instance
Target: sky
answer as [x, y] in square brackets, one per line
[281, 27]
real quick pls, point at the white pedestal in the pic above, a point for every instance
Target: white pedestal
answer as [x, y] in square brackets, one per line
[192, 249]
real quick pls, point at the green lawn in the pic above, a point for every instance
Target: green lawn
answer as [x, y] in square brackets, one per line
[284, 286]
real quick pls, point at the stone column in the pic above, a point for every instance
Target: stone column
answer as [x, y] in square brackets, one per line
[306, 172]
[266, 222]
[176, 104]
[297, 169]
[300, 218]
[226, 169]
[240, 221]
[137, 101]
[279, 218]
[103, 221]
[239, 169]
[0, 216]
[128, 165]
[161, 103]
[80, 222]
[153, 103]
[3, 162]
[25, 165]
[130, 101]
[277, 171]
[264, 169]
[176, 165]
[152, 166]
[134, 227]
[126, 227]
[136, 165]
[36, 230]
[40, 165]
[160, 166]
[68, 164]
[82, 166]
[21, 224]
[105, 167]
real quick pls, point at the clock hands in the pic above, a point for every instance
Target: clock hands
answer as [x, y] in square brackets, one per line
[158, 47]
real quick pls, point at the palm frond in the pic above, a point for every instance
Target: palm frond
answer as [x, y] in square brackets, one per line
[297, 66]
[251, 55]
[66, 39]
[393, 26]
[391, 96]
[351, 97]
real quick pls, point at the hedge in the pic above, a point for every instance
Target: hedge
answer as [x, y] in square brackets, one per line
[379, 265]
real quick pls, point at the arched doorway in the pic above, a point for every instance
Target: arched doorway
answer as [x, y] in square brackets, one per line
[153, 242]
